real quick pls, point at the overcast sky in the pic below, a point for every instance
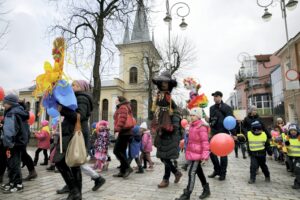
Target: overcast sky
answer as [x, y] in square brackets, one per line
[219, 29]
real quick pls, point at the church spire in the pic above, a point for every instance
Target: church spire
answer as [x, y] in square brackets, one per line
[140, 30]
[126, 38]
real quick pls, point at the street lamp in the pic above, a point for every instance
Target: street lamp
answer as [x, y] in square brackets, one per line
[168, 19]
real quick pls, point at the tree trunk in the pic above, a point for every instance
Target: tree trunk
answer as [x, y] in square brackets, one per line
[150, 89]
[96, 72]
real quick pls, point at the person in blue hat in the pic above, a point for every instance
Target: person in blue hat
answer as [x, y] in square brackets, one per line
[135, 146]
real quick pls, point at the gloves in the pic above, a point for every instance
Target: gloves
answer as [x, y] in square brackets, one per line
[287, 143]
[269, 151]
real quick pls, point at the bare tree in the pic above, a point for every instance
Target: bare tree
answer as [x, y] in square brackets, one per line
[4, 24]
[183, 54]
[95, 21]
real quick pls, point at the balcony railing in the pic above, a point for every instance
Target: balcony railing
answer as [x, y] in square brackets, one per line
[264, 111]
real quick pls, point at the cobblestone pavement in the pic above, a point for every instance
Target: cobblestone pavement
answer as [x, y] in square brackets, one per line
[144, 186]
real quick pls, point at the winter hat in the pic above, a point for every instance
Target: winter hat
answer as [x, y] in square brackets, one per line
[136, 130]
[94, 125]
[293, 127]
[256, 127]
[197, 112]
[252, 108]
[11, 99]
[122, 99]
[45, 123]
[102, 123]
[84, 85]
[144, 125]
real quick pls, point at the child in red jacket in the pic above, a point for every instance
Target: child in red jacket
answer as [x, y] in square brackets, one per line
[197, 151]
[43, 138]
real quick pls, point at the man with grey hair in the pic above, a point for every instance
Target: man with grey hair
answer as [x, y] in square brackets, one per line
[252, 117]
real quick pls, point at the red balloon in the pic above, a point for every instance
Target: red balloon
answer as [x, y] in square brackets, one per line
[181, 144]
[184, 123]
[1, 94]
[222, 144]
[31, 119]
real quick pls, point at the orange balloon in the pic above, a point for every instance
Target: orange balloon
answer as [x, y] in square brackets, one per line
[31, 119]
[222, 144]
[184, 123]
[1, 94]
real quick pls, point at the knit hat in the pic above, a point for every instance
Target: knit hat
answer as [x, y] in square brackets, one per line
[45, 123]
[136, 130]
[102, 123]
[84, 85]
[197, 112]
[293, 127]
[11, 99]
[252, 108]
[144, 125]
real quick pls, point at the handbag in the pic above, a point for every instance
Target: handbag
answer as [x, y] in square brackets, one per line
[130, 121]
[76, 153]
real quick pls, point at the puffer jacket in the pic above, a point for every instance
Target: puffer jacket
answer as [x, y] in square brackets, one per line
[120, 118]
[147, 142]
[16, 129]
[43, 138]
[198, 145]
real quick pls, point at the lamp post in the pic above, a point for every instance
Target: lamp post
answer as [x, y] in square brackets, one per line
[168, 19]
[242, 57]
[291, 5]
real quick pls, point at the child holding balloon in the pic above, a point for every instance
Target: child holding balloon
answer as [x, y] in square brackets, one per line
[197, 152]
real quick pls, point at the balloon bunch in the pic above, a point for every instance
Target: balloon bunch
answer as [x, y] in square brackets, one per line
[195, 100]
[51, 85]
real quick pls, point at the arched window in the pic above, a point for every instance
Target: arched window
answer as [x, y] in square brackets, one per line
[105, 109]
[133, 75]
[27, 105]
[134, 106]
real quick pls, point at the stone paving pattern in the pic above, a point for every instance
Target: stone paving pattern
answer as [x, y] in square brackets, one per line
[144, 186]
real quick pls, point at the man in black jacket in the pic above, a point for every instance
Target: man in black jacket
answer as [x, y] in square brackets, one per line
[218, 113]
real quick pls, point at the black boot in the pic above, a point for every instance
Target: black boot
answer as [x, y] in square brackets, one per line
[206, 192]
[32, 175]
[64, 190]
[296, 185]
[98, 183]
[141, 170]
[185, 196]
[45, 163]
[214, 174]
[50, 168]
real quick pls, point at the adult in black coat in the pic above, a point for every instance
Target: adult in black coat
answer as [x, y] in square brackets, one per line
[218, 113]
[252, 117]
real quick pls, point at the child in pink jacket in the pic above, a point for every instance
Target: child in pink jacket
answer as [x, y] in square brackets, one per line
[43, 138]
[197, 151]
[146, 146]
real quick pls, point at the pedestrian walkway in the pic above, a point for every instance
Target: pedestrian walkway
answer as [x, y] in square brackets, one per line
[144, 186]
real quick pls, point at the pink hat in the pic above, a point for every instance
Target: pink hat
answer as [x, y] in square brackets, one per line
[102, 123]
[45, 123]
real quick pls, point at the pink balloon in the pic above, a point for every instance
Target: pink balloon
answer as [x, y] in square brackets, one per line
[221, 144]
[184, 123]
[274, 134]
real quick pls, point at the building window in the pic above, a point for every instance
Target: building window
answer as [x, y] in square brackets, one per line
[27, 105]
[105, 109]
[133, 104]
[133, 75]
[263, 102]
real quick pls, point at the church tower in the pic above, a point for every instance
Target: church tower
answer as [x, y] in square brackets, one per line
[133, 68]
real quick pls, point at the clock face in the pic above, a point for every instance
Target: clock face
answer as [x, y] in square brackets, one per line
[292, 75]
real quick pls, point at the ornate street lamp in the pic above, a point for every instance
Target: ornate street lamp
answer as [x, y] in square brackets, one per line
[168, 19]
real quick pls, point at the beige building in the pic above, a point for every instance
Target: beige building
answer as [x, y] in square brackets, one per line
[133, 81]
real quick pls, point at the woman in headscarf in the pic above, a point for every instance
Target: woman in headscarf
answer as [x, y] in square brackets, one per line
[72, 176]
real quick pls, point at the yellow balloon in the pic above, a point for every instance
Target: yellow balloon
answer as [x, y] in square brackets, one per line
[47, 67]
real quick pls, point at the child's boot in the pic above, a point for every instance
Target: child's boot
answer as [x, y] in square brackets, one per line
[140, 170]
[98, 183]
[206, 191]
[185, 196]
[51, 168]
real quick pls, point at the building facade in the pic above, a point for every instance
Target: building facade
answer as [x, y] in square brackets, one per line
[290, 62]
